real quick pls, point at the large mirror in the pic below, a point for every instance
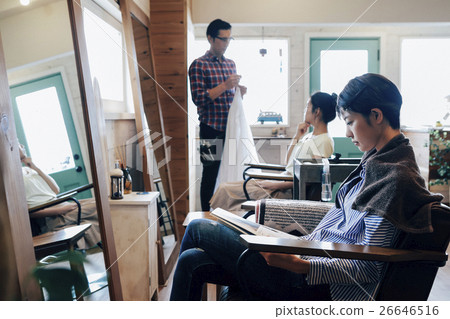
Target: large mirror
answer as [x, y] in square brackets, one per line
[50, 121]
[137, 26]
[118, 49]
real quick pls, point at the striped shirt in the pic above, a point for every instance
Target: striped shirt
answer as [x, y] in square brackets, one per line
[350, 279]
[206, 73]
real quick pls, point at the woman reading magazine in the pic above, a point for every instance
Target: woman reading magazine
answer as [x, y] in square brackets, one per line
[375, 203]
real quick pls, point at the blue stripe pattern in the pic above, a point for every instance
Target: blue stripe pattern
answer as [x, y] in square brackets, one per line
[350, 279]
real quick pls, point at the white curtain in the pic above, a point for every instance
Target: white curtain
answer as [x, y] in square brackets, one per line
[239, 146]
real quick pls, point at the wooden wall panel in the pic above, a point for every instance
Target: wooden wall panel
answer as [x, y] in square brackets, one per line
[169, 43]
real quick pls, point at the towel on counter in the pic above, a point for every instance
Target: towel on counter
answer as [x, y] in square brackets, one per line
[394, 189]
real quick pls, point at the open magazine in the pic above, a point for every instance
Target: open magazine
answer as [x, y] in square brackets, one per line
[245, 226]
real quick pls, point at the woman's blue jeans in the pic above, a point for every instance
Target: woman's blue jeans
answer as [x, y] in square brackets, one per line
[210, 250]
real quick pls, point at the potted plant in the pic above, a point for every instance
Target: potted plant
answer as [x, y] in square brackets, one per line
[439, 162]
[59, 281]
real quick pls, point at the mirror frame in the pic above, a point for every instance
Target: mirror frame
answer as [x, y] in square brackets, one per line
[97, 161]
[15, 239]
[147, 103]
[16, 243]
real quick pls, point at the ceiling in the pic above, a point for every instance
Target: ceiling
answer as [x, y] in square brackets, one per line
[11, 7]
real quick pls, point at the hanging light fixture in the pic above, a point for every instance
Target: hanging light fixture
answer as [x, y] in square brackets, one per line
[263, 51]
[25, 2]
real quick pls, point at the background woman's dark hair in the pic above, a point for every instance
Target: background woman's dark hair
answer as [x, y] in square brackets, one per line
[215, 26]
[369, 91]
[326, 103]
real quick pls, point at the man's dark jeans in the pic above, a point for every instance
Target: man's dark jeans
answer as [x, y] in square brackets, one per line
[211, 147]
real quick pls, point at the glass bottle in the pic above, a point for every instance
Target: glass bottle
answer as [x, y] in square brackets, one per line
[326, 181]
[127, 181]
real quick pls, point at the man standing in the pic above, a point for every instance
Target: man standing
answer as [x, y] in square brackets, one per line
[213, 82]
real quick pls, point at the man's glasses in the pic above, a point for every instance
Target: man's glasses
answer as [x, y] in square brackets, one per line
[225, 39]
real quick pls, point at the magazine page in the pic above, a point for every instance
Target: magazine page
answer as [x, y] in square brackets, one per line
[236, 222]
[245, 226]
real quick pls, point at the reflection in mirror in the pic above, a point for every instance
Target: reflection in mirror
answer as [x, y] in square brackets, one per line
[138, 34]
[126, 140]
[133, 216]
[47, 107]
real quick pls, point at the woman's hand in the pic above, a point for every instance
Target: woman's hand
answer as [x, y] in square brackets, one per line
[28, 162]
[24, 158]
[302, 129]
[288, 262]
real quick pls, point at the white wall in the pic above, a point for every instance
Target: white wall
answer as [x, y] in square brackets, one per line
[320, 11]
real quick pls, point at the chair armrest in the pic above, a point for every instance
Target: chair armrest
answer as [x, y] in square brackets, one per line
[333, 250]
[249, 205]
[272, 176]
[346, 160]
[262, 166]
[267, 166]
[77, 190]
[61, 198]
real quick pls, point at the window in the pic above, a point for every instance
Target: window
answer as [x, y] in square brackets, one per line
[266, 77]
[107, 57]
[425, 81]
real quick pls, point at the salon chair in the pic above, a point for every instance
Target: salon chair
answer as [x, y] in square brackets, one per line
[412, 264]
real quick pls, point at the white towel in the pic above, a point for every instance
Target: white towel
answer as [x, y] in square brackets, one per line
[239, 146]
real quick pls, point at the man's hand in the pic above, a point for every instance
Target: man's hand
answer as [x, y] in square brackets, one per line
[243, 90]
[288, 262]
[232, 81]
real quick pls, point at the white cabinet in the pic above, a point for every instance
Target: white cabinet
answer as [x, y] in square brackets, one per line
[135, 226]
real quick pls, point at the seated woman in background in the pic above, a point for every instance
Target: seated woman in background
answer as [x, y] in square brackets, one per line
[320, 110]
[379, 199]
[40, 188]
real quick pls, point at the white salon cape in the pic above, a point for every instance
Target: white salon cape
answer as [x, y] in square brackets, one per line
[239, 147]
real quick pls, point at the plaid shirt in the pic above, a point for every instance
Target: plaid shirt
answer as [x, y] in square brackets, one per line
[206, 73]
